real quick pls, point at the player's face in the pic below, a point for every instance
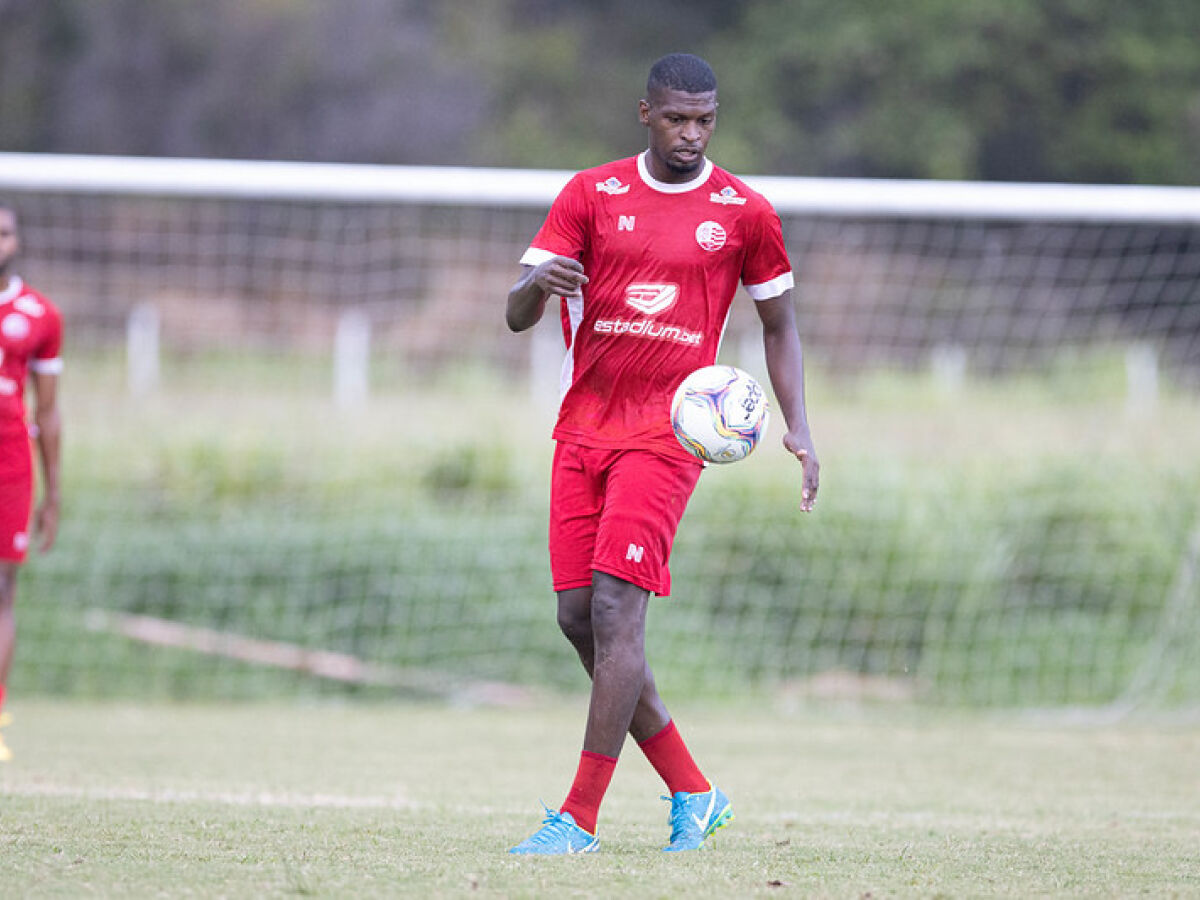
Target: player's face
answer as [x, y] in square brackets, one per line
[680, 126]
[8, 238]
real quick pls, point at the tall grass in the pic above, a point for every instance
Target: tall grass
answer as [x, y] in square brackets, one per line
[1014, 543]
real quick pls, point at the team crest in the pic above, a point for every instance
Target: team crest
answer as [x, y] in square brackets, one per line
[710, 235]
[727, 196]
[612, 186]
[15, 327]
[651, 299]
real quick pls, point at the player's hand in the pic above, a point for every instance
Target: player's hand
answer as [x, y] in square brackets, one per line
[800, 445]
[561, 275]
[45, 524]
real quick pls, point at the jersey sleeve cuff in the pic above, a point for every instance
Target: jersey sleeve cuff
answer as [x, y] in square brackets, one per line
[47, 366]
[535, 256]
[773, 288]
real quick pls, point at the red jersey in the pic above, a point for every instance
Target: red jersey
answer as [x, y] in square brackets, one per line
[663, 263]
[30, 340]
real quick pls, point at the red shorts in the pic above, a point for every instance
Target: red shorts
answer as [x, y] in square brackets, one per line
[616, 511]
[16, 497]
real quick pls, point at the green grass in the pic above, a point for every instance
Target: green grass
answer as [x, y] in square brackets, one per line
[422, 801]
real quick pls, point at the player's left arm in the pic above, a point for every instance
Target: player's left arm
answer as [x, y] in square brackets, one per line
[47, 422]
[785, 366]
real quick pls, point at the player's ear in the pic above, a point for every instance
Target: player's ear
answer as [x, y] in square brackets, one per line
[644, 111]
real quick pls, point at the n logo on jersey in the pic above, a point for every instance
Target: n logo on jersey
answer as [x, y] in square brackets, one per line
[651, 299]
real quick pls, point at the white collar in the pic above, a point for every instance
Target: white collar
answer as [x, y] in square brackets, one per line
[15, 286]
[670, 187]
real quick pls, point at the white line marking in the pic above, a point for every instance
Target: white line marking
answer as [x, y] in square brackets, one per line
[224, 798]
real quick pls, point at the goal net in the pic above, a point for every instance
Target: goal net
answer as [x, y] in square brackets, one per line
[304, 455]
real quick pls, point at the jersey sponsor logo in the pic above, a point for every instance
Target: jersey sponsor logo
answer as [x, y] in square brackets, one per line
[651, 299]
[15, 326]
[727, 196]
[625, 223]
[635, 552]
[647, 328]
[29, 306]
[710, 235]
[612, 186]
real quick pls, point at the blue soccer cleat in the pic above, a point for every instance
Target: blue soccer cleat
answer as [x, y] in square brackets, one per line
[695, 816]
[558, 835]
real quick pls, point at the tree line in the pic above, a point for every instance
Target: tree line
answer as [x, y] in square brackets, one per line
[1034, 90]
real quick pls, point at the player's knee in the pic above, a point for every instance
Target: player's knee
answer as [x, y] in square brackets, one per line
[615, 620]
[575, 624]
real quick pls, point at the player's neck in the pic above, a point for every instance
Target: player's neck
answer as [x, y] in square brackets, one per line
[646, 171]
[666, 175]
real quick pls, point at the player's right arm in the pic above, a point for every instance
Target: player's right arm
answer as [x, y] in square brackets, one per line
[559, 275]
[48, 429]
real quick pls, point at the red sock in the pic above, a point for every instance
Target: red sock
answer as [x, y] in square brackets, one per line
[591, 781]
[670, 757]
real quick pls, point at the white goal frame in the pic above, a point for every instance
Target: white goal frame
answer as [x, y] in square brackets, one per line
[454, 185]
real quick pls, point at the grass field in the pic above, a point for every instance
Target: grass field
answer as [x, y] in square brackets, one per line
[1023, 545]
[422, 801]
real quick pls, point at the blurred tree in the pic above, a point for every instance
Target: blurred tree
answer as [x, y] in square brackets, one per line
[304, 79]
[38, 39]
[1061, 90]
[566, 77]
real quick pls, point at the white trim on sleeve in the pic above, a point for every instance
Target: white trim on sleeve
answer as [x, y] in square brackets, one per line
[47, 366]
[535, 256]
[772, 288]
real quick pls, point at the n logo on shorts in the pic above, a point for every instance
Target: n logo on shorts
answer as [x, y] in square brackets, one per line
[635, 553]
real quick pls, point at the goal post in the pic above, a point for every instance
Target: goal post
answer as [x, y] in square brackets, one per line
[492, 186]
[297, 424]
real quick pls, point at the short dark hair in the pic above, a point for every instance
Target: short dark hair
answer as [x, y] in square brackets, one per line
[681, 72]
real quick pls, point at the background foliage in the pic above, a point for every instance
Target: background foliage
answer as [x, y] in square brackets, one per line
[1061, 90]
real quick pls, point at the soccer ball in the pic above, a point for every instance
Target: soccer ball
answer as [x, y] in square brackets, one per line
[719, 413]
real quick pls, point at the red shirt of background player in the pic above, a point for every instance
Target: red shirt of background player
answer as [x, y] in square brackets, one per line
[30, 341]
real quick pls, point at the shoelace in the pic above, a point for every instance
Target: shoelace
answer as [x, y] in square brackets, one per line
[554, 828]
[679, 818]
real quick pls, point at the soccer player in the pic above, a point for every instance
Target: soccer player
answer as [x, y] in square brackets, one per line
[30, 337]
[646, 254]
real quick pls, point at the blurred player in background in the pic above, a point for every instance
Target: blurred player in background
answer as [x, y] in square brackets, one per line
[30, 338]
[646, 254]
